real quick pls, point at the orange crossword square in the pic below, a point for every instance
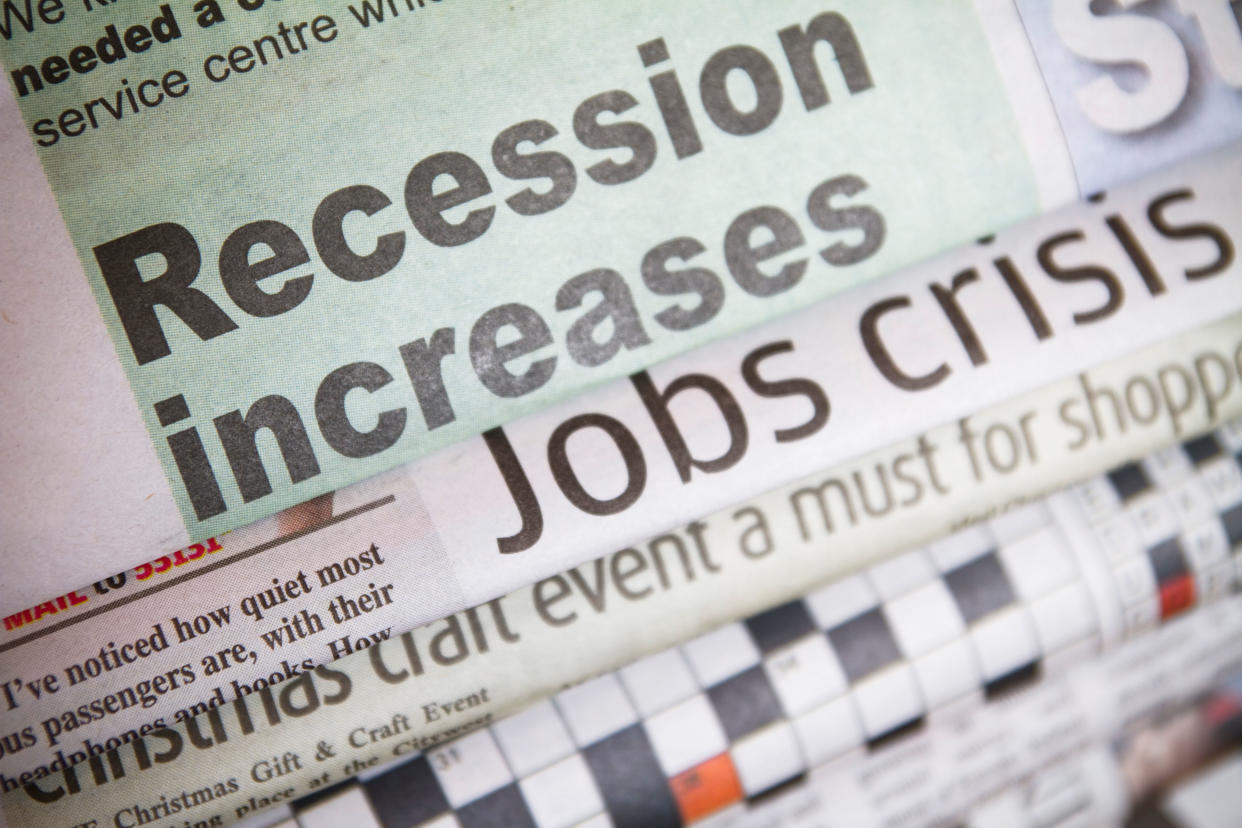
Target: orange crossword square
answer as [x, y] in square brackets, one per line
[706, 788]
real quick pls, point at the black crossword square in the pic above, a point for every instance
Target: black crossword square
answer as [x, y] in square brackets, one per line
[1232, 523]
[979, 587]
[504, 808]
[1129, 480]
[780, 625]
[744, 703]
[1202, 449]
[407, 795]
[864, 644]
[634, 788]
[1167, 560]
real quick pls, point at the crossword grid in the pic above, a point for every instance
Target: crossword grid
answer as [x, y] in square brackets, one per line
[1166, 527]
[748, 708]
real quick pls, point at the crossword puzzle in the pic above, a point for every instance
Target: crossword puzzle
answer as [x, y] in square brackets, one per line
[747, 709]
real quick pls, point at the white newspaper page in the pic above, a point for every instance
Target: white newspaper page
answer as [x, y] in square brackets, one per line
[469, 669]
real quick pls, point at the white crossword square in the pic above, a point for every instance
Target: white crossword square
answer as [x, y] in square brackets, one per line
[1168, 466]
[658, 681]
[1135, 581]
[1223, 480]
[1214, 582]
[888, 699]
[721, 653]
[686, 734]
[948, 673]
[533, 738]
[1119, 539]
[1142, 615]
[1231, 433]
[924, 619]
[563, 794]
[1038, 563]
[469, 768]
[1192, 502]
[595, 709]
[829, 730]
[1064, 617]
[961, 547]
[901, 574]
[805, 674]
[1005, 641]
[767, 757]
[1154, 517]
[350, 807]
[1206, 545]
[841, 601]
[1098, 498]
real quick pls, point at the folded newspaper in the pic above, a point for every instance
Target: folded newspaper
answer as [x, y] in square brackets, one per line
[465, 671]
[715, 426]
[779, 709]
[698, 401]
[292, 246]
[268, 602]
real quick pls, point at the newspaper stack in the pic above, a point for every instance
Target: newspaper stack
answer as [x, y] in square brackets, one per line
[425, 412]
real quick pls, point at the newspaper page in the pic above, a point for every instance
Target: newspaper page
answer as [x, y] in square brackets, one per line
[1173, 763]
[857, 735]
[828, 383]
[1094, 707]
[779, 408]
[374, 228]
[1169, 765]
[271, 601]
[527, 644]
